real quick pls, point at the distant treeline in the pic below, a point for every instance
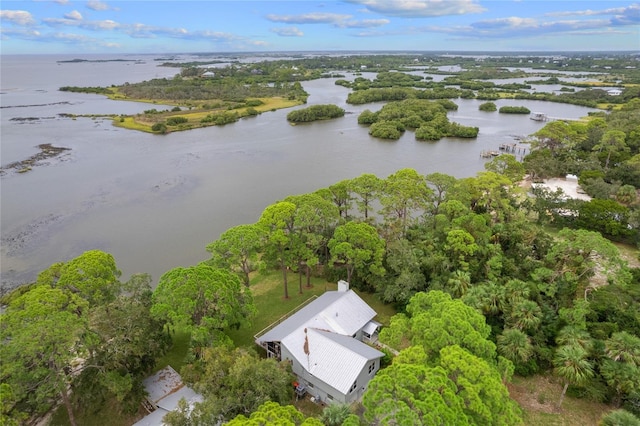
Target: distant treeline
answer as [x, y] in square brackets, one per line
[97, 90]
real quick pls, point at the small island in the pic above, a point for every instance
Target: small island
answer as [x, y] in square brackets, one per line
[428, 119]
[199, 100]
[315, 113]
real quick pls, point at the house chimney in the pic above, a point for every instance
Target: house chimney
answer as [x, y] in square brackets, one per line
[343, 285]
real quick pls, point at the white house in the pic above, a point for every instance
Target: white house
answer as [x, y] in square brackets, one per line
[614, 92]
[325, 343]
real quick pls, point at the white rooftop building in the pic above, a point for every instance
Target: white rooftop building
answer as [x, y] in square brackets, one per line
[325, 341]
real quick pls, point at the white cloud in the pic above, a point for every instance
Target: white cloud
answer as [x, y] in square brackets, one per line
[74, 15]
[97, 5]
[105, 25]
[23, 33]
[62, 1]
[337, 20]
[589, 12]
[309, 18]
[288, 32]
[420, 8]
[18, 17]
[365, 23]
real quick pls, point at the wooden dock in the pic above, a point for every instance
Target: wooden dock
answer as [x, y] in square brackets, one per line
[519, 151]
[513, 148]
[489, 154]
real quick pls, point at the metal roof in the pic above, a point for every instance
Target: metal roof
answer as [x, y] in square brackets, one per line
[371, 327]
[333, 358]
[163, 383]
[165, 389]
[342, 312]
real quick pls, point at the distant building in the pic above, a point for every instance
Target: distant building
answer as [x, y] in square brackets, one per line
[209, 74]
[324, 341]
[614, 92]
[164, 390]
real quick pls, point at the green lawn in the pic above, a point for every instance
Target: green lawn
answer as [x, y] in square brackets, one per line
[268, 293]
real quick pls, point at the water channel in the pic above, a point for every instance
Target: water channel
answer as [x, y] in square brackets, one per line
[155, 202]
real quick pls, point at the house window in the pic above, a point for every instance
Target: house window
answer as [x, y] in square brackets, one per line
[310, 385]
[330, 397]
[372, 367]
[353, 386]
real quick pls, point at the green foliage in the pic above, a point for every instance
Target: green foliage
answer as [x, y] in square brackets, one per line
[95, 90]
[359, 248]
[221, 118]
[272, 413]
[605, 216]
[254, 102]
[159, 128]
[44, 321]
[236, 381]
[387, 130]
[367, 117]
[460, 131]
[174, 121]
[335, 414]
[203, 298]
[434, 321]
[514, 110]
[572, 364]
[459, 388]
[92, 275]
[314, 113]
[507, 165]
[619, 417]
[237, 250]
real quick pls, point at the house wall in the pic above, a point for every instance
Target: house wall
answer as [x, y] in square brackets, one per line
[315, 386]
[322, 390]
[364, 378]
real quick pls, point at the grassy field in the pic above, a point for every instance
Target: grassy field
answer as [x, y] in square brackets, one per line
[268, 293]
[196, 111]
[538, 397]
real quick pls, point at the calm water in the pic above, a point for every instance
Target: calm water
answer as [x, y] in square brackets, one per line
[155, 202]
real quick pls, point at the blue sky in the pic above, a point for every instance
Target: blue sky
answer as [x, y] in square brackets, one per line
[148, 26]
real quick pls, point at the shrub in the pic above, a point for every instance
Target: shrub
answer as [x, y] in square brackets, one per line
[387, 130]
[514, 110]
[254, 103]
[460, 131]
[174, 121]
[488, 106]
[315, 112]
[367, 117]
[428, 133]
[159, 128]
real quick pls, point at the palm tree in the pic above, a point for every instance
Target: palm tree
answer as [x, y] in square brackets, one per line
[572, 335]
[525, 315]
[335, 414]
[459, 283]
[619, 418]
[515, 345]
[623, 347]
[622, 368]
[572, 365]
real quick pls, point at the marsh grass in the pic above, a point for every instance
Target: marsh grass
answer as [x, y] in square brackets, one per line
[194, 114]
